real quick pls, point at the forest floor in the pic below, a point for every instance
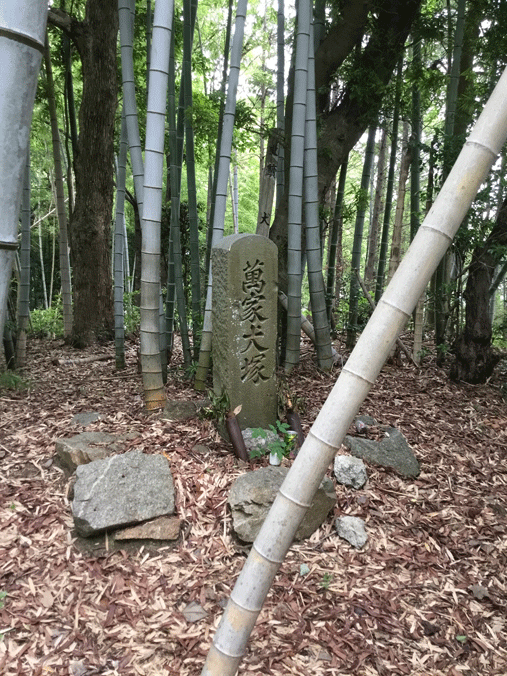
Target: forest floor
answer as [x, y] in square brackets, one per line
[426, 596]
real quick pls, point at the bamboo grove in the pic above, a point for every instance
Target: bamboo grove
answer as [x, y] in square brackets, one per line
[342, 122]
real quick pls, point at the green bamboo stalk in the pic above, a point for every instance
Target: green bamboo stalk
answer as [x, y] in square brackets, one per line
[358, 237]
[119, 247]
[312, 223]
[60, 198]
[384, 242]
[189, 11]
[295, 205]
[335, 241]
[154, 392]
[280, 101]
[24, 278]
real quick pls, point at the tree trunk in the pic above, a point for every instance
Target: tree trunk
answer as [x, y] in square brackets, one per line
[90, 223]
[61, 211]
[475, 357]
[371, 259]
[395, 258]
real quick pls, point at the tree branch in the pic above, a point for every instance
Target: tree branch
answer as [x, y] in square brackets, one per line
[76, 30]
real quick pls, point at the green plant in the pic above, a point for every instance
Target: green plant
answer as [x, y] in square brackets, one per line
[47, 323]
[326, 580]
[3, 596]
[9, 380]
[219, 408]
[277, 446]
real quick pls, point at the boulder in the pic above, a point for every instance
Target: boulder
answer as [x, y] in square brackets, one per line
[351, 528]
[350, 471]
[88, 447]
[253, 493]
[120, 491]
[392, 451]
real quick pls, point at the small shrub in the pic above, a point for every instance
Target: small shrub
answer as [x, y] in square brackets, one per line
[12, 381]
[278, 446]
[47, 323]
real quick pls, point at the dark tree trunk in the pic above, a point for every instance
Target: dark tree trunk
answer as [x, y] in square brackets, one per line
[359, 103]
[475, 357]
[90, 223]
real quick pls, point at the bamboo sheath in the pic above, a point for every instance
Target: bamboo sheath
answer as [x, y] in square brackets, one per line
[356, 378]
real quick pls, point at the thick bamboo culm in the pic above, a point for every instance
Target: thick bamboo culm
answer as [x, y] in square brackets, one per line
[356, 378]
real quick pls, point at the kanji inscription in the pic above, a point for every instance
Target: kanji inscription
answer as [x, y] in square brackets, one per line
[244, 326]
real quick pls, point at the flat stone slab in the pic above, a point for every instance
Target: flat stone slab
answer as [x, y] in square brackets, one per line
[181, 409]
[120, 491]
[88, 447]
[163, 528]
[393, 451]
[253, 493]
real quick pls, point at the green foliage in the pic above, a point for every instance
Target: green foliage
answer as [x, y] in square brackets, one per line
[9, 380]
[131, 312]
[326, 581]
[47, 323]
[279, 446]
[219, 408]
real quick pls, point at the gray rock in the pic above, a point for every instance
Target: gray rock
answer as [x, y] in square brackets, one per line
[181, 409]
[393, 451]
[366, 420]
[350, 471]
[120, 491]
[254, 443]
[86, 418]
[351, 528]
[253, 493]
[88, 447]
[163, 528]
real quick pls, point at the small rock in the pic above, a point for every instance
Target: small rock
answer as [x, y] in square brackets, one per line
[393, 451]
[254, 443]
[200, 448]
[194, 612]
[163, 528]
[180, 409]
[361, 428]
[85, 418]
[479, 591]
[351, 528]
[78, 668]
[350, 471]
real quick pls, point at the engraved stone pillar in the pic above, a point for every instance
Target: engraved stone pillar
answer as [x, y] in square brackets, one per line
[245, 274]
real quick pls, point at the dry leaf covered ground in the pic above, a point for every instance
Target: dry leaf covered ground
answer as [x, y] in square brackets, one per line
[426, 596]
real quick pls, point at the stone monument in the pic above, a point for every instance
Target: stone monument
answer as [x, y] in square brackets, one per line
[245, 273]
